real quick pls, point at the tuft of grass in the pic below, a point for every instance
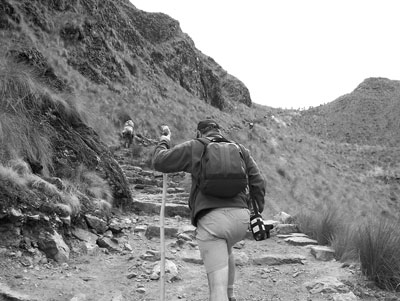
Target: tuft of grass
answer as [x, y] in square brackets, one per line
[43, 186]
[19, 176]
[378, 245]
[322, 226]
[10, 177]
[93, 185]
[103, 205]
[28, 106]
[343, 242]
[20, 167]
[72, 202]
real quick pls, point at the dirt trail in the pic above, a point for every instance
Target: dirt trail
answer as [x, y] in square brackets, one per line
[129, 275]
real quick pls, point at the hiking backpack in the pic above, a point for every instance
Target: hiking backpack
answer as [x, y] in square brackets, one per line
[222, 168]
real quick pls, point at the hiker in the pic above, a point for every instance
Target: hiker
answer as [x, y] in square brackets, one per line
[128, 133]
[221, 221]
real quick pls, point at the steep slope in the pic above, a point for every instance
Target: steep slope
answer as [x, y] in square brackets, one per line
[119, 62]
[367, 116]
[113, 43]
[72, 72]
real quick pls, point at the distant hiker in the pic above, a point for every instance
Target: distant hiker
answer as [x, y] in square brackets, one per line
[251, 125]
[128, 133]
[218, 208]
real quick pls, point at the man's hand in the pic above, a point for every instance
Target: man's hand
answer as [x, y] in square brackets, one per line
[165, 132]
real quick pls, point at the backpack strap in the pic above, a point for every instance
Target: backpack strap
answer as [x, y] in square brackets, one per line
[255, 207]
[205, 141]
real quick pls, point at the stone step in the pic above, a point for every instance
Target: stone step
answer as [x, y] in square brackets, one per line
[131, 168]
[180, 195]
[300, 241]
[149, 189]
[177, 190]
[152, 207]
[144, 180]
[171, 231]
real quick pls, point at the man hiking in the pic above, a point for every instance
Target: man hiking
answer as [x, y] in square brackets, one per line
[128, 133]
[220, 212]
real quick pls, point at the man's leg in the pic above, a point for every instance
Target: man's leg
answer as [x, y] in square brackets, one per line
[214, 252]
[218, 284]
[130, 140]
[217, 232]
[231, 274]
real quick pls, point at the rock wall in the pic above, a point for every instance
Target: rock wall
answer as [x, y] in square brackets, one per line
[112, 42]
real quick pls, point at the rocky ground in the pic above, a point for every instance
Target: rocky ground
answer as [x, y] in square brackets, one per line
[123, 263]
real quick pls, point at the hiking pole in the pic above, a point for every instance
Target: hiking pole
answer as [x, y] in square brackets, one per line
[162, 239]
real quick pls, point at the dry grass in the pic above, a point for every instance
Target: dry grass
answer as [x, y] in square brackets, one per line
[71, 201]
[378, 245]
[323, 225]
[91, 184]
[27, 104]
[10, 177]
[374, 242]
[24, 97]
[18, 175]
[343, 242]
[43, 186]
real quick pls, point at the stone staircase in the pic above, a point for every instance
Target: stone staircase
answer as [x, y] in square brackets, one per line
[146, 187]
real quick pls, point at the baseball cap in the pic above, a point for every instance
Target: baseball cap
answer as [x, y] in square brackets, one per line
[207, 123]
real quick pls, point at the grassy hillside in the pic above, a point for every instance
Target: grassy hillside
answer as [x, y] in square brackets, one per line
[132, 69]
[367, 115]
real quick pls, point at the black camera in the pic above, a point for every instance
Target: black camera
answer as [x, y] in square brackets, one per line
[258, 228]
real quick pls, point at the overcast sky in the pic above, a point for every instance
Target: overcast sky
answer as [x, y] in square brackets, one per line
[292, 53]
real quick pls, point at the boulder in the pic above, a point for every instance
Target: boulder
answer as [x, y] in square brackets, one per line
[7, 293]
[154, 231]
[53, 245]
[322, 253]
[278, 259]
[84, 235]
[326, 285]
[291, 235]
[110, 244]
[300, 241]
[286, 228]
[345, 297]
[241, 258]
[171, 271]
[96, 223]
[284, 218]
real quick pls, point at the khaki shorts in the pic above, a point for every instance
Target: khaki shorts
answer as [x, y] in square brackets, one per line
[217, 232]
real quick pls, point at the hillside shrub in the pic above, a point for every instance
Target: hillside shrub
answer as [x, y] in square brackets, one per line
[343, 242]
[26, 103]
[91, 184]
[17, 174]
[11, 178]
[322, 225]
[378, 246]
[71, 202]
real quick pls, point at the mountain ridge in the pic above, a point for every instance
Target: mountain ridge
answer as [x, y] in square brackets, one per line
[72, 73]
[367, 115]
[116, 62]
